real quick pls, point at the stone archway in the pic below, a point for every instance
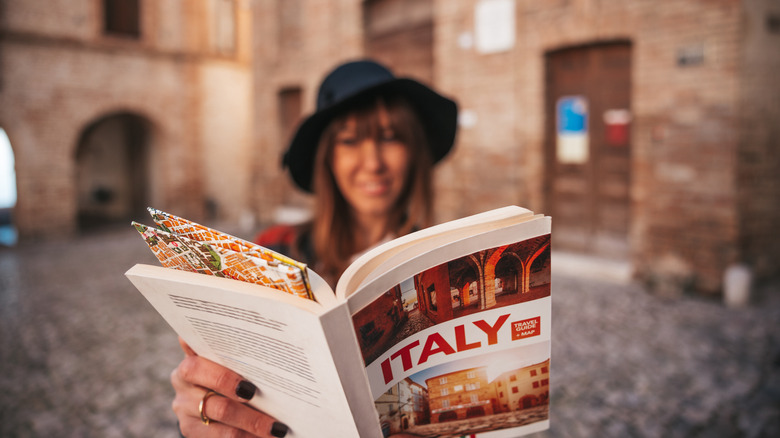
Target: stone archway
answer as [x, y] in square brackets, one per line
[112, 170]
[475, 411]
[8, 234]
[464, 280]
[448, 416]
[509, 270]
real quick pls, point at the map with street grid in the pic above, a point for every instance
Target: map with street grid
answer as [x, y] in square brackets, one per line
[185, 245]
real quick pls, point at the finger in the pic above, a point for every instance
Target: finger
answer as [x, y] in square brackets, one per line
[202, 372]
[242, 417]
[225, 416]
[194, 428]
[187, 350]
[190, 379]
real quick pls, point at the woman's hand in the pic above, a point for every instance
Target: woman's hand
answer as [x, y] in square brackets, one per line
[226, 413]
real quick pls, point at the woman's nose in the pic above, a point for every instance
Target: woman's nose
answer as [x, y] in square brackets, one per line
[372, 154]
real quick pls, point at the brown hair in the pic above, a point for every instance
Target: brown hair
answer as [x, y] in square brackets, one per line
[331, 227]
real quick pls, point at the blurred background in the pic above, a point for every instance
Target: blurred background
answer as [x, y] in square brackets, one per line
[648, 129]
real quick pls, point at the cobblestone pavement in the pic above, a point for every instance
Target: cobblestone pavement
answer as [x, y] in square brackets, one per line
[83, 355]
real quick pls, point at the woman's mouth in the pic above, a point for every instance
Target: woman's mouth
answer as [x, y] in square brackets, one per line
[374, 188]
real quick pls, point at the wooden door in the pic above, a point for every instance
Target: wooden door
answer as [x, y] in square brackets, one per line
[588, 147]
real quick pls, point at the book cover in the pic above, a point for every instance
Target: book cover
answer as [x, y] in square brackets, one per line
[463, 347]
[442, 333]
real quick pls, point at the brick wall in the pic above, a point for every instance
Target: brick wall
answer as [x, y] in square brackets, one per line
[692, 118]
[284, 58]
[685, 122]
[684, 221]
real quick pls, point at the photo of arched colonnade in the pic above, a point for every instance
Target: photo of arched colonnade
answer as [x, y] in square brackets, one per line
[487, 279]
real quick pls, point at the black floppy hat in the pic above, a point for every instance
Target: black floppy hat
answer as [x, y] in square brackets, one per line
[353, 81]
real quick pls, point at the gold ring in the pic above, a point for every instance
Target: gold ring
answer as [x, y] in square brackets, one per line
[202, 407]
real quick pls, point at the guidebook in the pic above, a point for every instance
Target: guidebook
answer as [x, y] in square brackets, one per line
[444, 332]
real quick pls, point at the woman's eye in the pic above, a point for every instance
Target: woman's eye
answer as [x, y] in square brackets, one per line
[389, 137]
[346, 141]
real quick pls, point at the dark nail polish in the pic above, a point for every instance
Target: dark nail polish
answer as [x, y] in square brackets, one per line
[245, 390]
[279, 429]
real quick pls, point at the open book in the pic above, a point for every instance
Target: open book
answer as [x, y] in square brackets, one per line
[444, 332]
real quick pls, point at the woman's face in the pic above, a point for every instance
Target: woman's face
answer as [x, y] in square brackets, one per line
[370, 172]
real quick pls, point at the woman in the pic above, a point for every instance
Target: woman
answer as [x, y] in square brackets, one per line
[366, 154]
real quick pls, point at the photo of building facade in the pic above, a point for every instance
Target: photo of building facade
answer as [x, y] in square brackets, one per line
[460, 395]
[493, 278]
[405, 405]
[460, 400]
[524, 388]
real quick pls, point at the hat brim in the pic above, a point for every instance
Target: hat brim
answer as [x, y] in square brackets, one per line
[437, 113]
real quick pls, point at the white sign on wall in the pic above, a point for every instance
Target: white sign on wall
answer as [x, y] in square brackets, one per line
[494, 25]
[571, 117]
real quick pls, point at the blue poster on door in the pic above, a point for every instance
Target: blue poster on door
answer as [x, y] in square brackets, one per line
[571, 114]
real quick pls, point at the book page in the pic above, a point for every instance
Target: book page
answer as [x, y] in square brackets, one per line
[276, 341]
[460, 336]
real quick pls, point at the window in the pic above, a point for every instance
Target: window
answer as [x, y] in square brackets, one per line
[535, 384]
[471, 375]
[501, 394]
[545, 382]
[533, 373]
[544, 370]
[369, 333]
[290, 23]
[122, 18]
[513, 378]
[445, 403]
[445, 391]
[290, 104]
[442, 380]
[225, 26]
[514, 390]
[457, 388]
[474, 398]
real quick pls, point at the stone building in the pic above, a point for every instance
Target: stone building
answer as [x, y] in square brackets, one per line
[377, 324]
[647, 129]
[524, 387]
[678, 170]
[404, 405]
[113, 105]
[460, 395]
